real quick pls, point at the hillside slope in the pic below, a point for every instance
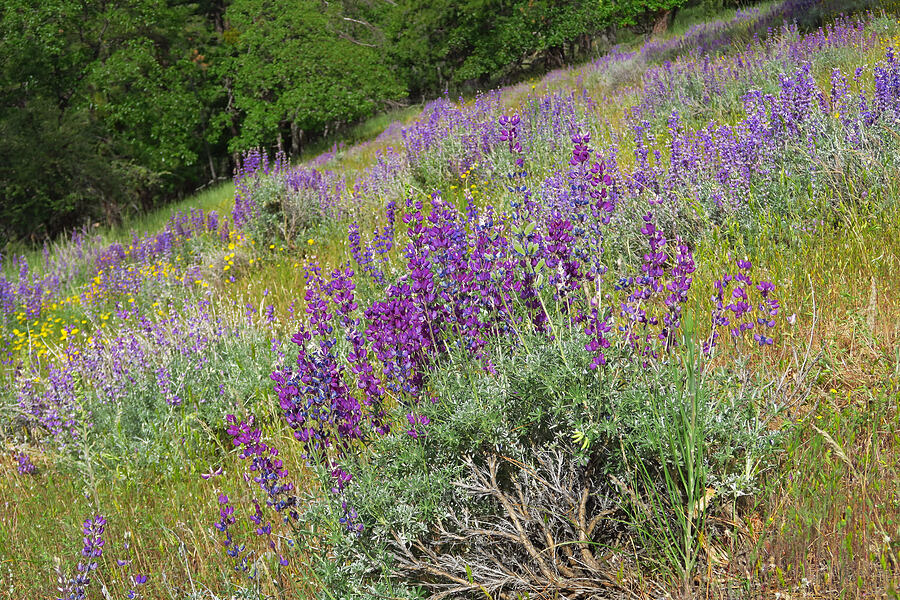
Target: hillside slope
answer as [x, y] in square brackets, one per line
[629, 330]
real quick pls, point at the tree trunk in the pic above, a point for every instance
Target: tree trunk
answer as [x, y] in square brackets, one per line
[296, 139]
[662, 23]
[212, 165]
[235, 156]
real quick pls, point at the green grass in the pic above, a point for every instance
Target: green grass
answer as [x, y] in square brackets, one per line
[819, 525]
[836, 494]
[166, 519]
[361, 132]
[219, 197]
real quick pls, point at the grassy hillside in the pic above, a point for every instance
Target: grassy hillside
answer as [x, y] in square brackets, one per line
[628, 330]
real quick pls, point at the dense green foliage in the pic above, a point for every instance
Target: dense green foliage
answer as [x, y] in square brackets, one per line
[290, 68]
[111, 108]
[136, 370]
[102, 107]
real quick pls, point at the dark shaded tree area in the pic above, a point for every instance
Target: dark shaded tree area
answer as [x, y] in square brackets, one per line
[109, 108]
[105, 107]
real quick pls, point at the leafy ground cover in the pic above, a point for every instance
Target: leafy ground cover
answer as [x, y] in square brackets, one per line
[627, 331]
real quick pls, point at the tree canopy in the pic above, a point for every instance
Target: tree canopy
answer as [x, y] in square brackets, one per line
[290, 65]
[100, 106]
[111, 107]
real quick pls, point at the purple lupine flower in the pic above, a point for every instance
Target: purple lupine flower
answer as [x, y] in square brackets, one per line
[597, 329]
[264, 529]
[266, 468]
[350, 519]
[223, 525]
[509, 133]
[75, 587]
[417, 424]
[741, 307]
[218, 472]
[93, 541]
[25, 466]
[137, 581]
[678, 286]
[581, 152]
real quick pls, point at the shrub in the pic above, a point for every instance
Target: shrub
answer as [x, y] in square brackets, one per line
[284, 208]
[494, 374]
[546, 468]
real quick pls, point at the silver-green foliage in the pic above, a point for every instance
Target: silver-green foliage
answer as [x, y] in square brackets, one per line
[539, 425]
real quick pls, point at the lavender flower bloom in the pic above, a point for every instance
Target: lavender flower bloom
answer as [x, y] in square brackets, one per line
[417, 424]
[25, 466]
[363, 254]
[218, 472]
[75, 587]
[93, 542]
[679, 286]
[267, 469]
[136, 580]
[597, 329]
[581, 153]
[223, 525]
[740, 320]
[509, 133]
[350, 519]
[265, 529]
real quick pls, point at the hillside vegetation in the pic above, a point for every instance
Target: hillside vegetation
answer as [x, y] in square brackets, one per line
[108, 110]
[629, 330]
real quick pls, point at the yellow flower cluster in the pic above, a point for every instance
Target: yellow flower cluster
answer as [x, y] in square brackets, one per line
[229, 260]
[467, 174]
[38, 337]
[58, 326]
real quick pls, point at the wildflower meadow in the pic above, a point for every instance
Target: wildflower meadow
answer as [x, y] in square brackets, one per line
[627, 330]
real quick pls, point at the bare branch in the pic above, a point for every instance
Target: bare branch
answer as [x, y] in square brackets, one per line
[536, 540]
[367, 24]
[357, 42]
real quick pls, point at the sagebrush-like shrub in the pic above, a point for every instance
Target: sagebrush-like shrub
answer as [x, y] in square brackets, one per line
[545, 466]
